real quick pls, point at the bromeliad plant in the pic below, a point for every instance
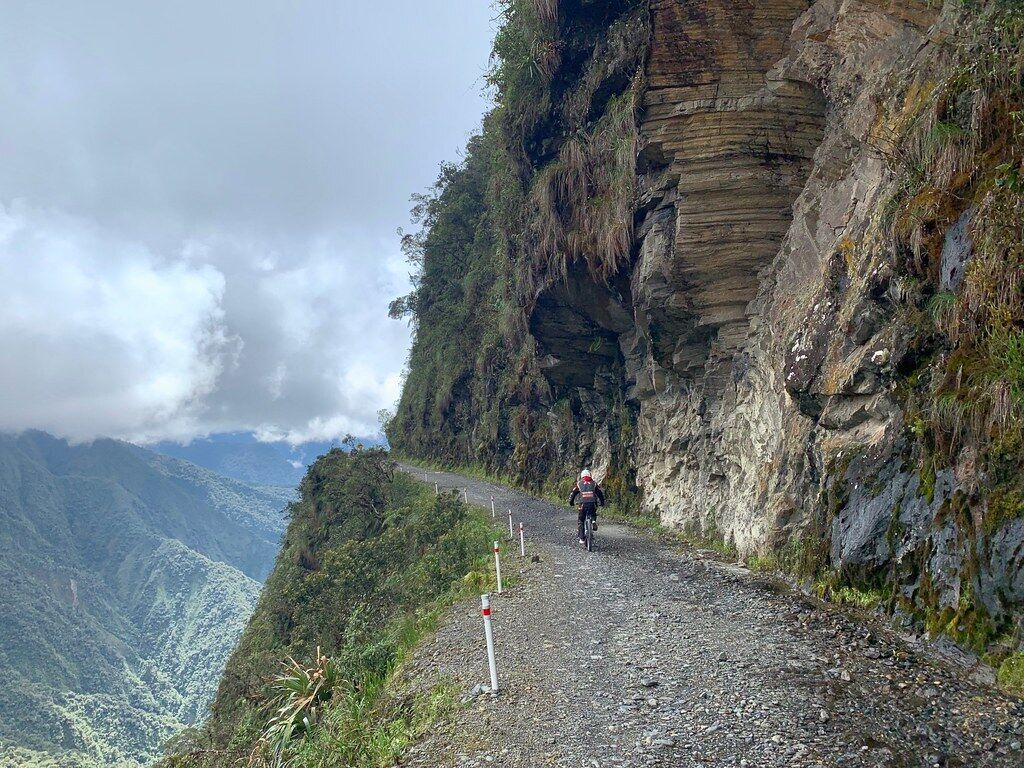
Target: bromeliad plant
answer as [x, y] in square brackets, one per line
[301, 694]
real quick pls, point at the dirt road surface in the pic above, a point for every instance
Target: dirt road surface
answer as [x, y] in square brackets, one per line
[644, 653]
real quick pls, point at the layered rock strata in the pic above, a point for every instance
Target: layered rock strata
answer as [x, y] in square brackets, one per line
[758, 353]
[753, 365]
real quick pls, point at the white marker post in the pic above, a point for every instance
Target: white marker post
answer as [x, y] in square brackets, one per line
[497, 565]
[511, 533]
[485, 603]
[465, 494]
[437, 491]
[493, 514]
[522, 541]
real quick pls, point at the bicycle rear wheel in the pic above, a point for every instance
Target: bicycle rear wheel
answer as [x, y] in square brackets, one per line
[588, 527]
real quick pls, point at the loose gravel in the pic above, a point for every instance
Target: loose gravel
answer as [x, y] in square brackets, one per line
[646, 654]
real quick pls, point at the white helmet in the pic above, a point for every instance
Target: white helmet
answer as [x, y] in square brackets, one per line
[585, 473]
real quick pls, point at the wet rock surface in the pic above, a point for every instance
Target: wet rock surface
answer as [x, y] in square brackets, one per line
[640, 654]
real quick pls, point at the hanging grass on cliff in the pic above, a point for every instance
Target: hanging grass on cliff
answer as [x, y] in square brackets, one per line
[369, 558]
[961, 154]
[546, 190]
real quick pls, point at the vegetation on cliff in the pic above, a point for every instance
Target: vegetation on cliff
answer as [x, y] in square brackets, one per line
[960, 149]
[546, 190]
[954, 237]
[368, 558]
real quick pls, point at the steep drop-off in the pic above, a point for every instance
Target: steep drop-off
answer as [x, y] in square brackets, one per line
[125, 580]
[367, 556]
[760, 264]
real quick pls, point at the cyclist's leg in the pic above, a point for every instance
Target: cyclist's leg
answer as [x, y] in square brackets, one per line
[582, 514]
[589, 511]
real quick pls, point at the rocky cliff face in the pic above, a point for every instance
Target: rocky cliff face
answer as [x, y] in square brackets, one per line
[776, 357]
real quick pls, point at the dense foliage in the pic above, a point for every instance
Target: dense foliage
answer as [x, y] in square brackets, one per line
[367, 555]
[455, 306]
[545, 190]
[127, 579]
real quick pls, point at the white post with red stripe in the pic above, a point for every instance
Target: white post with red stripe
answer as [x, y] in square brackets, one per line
[522, 541]
[511, 533]
[497, 565]
[493, 514]
[485, 603]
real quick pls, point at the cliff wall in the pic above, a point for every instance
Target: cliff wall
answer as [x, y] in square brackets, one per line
[759, 263]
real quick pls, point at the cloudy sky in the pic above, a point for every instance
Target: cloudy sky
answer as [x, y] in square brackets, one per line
[198, 205]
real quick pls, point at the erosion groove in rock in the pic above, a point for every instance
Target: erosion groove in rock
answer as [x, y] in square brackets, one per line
[804, 352]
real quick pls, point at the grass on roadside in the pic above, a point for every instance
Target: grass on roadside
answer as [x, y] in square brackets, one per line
[371, 562]
[371, 724]
[1011, 674]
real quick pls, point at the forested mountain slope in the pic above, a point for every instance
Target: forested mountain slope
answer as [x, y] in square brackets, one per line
[125, 580]
[760, 265]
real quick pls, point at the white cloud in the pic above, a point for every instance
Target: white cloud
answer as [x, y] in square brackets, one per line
[205, 241]
[99, 335]
[317, 338]
[102, 336]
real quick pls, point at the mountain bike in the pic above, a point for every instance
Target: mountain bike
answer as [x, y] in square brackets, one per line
[589, 526]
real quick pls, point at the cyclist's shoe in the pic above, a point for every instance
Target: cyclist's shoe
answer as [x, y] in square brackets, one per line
[593, 525]
[583, 541]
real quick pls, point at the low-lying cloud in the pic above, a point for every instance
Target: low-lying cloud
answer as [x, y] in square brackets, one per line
[99, 335]
[197, 207]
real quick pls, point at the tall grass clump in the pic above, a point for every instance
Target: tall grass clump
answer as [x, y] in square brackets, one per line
[584, 199]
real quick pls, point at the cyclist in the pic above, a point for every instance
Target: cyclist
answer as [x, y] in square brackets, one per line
[590, 494]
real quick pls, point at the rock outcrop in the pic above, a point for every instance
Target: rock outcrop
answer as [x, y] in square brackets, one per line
[759, 362]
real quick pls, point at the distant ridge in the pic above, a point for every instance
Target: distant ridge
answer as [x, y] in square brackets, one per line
[241, 456]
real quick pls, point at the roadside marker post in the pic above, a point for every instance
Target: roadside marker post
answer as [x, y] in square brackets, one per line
[522, 541]
[497, 565]
[511, 533]
[465, 494]
[485, 609]
[437, 491]
[493, 514]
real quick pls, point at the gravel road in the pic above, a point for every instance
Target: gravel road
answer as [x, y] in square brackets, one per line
[643, 654]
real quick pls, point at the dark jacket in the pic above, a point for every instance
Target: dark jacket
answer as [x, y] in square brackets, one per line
[576, 491]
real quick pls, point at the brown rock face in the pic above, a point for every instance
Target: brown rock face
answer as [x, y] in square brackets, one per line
[728, 144]
[754, 348]
[734, 151]
[749, 246]
[741, 358]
